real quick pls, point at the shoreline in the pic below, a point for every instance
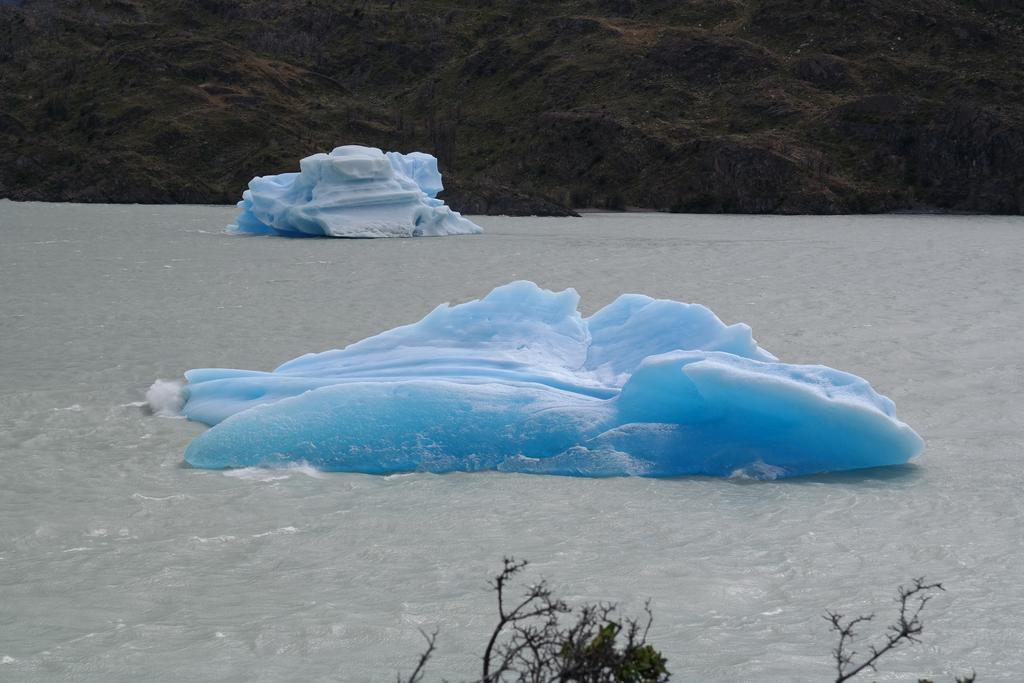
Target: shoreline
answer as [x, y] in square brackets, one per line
[576, 211]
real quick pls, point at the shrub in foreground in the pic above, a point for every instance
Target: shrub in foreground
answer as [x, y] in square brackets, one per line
[538, 638]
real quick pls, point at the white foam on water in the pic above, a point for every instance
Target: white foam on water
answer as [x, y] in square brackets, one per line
[176, 496]
[274, 474]
[759, 471]
[223, 538]
[257, 474]
[164, 398]
[275, 532]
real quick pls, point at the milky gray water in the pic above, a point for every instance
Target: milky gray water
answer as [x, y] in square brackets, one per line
[118, 564]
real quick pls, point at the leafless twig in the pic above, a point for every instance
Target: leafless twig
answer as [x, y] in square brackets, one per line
[906, 628]
[417, 674]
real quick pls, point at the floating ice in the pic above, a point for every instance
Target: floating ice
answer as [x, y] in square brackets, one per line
[352, 192]
[519, 381]
[164, 398]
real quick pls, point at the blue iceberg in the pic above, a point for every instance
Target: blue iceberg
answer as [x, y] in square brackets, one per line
[352, 192]
[519, 381]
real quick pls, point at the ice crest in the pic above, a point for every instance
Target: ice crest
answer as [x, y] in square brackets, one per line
[352, 192]
[520, 381]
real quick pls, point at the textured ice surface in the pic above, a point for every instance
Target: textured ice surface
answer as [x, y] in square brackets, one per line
[519, 381]
[352, 192]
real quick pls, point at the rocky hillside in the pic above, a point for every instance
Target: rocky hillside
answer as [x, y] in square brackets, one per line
[532, 106]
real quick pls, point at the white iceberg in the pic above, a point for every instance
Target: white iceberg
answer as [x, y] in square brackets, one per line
[352, 192]
[519, 381]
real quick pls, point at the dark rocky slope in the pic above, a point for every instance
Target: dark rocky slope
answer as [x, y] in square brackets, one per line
[532, 106]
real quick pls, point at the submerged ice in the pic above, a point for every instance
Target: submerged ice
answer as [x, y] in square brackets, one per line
[519, 381]
[352, 192]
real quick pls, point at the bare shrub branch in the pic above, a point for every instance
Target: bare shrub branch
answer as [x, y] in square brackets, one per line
[906, 628]
[417, 674]
[531, 644]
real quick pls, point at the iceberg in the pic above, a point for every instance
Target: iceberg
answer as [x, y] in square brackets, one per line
[519, 381]
[352, 192]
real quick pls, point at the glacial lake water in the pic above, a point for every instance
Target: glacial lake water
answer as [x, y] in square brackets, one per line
[119, 564]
